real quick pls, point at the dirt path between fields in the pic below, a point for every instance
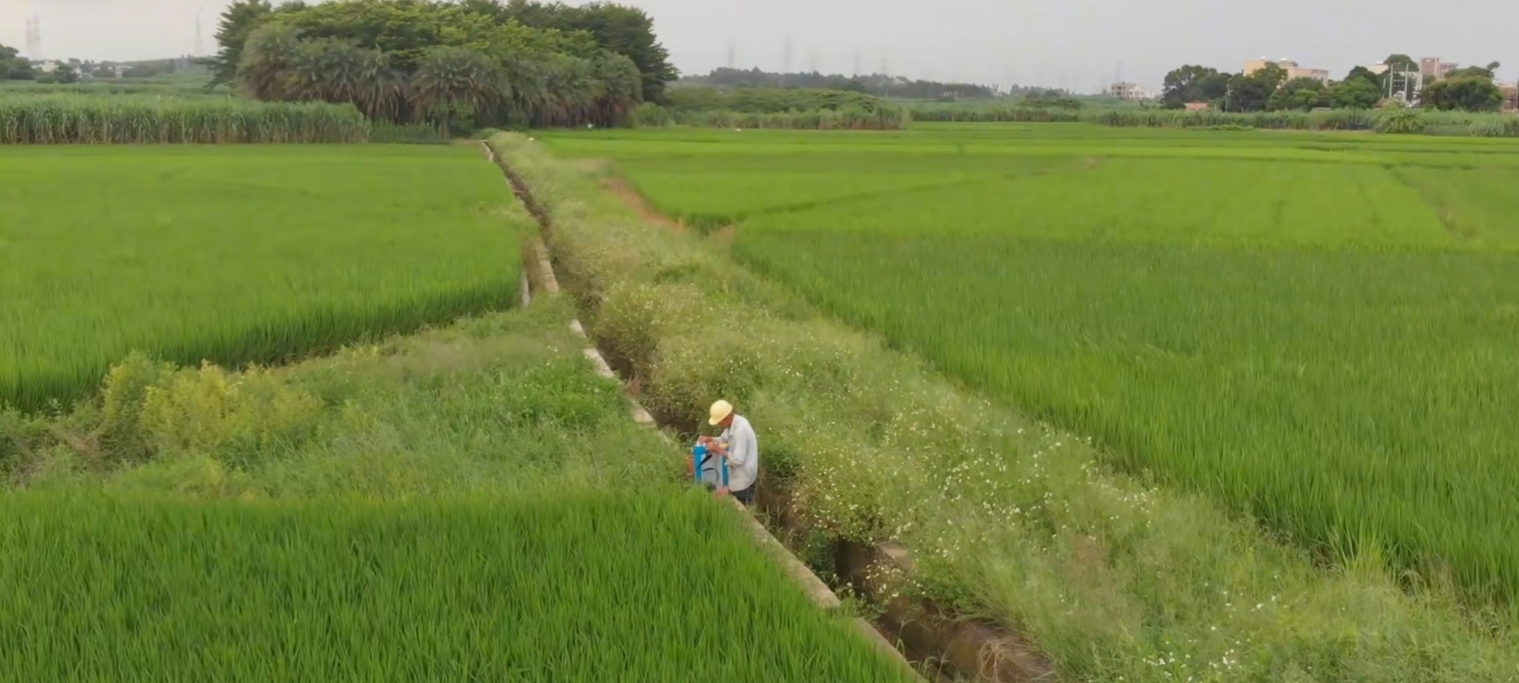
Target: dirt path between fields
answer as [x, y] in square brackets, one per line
[622, 190]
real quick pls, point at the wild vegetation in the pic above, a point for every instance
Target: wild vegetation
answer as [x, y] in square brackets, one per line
[107, 252]
[1294, 369]
[498, 404]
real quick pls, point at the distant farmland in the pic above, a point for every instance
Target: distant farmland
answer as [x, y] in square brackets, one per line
[1314, 328]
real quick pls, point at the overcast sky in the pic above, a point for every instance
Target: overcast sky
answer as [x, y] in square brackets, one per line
[1081, 44]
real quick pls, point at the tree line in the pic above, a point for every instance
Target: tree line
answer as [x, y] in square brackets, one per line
[471, 63]
[872, 84]
[1268, 89]
[771, 100]
[14, 67]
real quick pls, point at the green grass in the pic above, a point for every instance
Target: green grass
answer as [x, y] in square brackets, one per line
[236, 254]
[1227, 361]
[503, 403]
[619, 587]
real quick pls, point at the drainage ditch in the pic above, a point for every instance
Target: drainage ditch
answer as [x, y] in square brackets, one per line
[936, 641]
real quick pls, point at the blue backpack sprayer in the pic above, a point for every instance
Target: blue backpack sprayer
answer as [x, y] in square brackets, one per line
[711, 471]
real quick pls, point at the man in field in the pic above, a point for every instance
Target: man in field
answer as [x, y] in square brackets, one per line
[740, 446]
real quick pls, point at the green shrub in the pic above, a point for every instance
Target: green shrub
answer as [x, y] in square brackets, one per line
[651, 115]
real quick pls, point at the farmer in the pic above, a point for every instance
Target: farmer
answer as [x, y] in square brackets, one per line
[739, 445]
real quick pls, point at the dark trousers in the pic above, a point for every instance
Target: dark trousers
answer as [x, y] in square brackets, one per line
[744, 497]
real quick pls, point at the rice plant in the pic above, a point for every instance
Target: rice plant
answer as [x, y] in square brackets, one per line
[1116, 577]
[236, 254]
[1308, 327]
[619, 587]
[145, 119]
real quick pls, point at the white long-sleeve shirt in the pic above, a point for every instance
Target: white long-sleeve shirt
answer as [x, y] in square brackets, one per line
[743, 454]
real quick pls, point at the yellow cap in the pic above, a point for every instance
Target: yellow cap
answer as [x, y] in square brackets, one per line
[720, 411]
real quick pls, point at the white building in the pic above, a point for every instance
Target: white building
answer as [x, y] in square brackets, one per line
[1124, 90]
[1293, 70]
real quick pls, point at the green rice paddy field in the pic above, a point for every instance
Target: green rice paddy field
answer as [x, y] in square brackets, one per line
[559, 587]
[1321, 330]
[235, 254]
[469, 502]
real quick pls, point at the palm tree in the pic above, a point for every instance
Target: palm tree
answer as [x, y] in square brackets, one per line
[381, 91]
[528, 87]
[267, 59]
[308, 77]
[621, 87]
[451, 80]
[571, 91]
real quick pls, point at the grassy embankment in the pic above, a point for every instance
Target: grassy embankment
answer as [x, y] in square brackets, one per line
[1111, 578]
